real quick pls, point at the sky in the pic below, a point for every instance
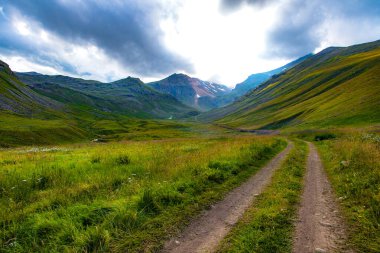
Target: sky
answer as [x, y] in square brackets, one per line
[217, 40]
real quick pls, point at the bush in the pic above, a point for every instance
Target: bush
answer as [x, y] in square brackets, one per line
[148, 204]
[224, 166]
[217, 177]
[95, 159]
[326, 136]
[97, 240]
[123, 160]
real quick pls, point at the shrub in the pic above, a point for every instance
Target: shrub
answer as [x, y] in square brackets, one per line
[95, 216]
[168, 198]
[123, 160]
[41, 183]
[97, 240]
[126, 220]
[217, 177]
[326, 136]
[95, 159]
[147, 203]
[225, 166]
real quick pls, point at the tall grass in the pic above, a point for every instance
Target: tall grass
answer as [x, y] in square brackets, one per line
[353, 165]
[127, 196]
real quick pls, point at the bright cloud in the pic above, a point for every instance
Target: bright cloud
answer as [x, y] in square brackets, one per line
[218, 40]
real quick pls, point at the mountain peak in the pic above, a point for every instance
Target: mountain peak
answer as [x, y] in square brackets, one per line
[5, 68]
[129, 80]
[179, 76]
[191, 91]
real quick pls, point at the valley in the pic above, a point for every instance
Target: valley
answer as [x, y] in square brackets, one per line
[287, 161]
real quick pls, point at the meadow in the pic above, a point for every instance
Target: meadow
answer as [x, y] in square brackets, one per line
[352, 162]
[121, 196]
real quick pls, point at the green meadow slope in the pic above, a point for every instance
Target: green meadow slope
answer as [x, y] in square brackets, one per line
[336, 87]
[16, 97]
[27, 117]
[58, 109]
[129, 96]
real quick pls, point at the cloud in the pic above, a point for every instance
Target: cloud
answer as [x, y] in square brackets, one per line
[303, 26]
[126, 31]
[231, 5]
[297, 30]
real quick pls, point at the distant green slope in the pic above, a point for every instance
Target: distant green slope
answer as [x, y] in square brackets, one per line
[27, 117]
[255, 80]
[16, 97]
[129, 96]
[336, 87]
[46, 113]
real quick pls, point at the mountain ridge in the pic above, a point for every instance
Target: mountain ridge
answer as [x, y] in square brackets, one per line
[338, 86]
[129, 96]
[191, 91]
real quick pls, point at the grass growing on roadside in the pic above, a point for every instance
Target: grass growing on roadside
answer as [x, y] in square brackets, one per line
[127, 196]
[267, 226]
[353, 166]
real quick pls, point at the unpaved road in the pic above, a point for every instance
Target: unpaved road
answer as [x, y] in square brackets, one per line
[319, 227]
[205, 232]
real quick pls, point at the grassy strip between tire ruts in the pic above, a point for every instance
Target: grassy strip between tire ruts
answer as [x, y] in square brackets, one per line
[267, 226]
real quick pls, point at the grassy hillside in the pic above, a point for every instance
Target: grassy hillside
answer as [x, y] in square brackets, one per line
[16, 97]
[129, 96]
[336, 87]
[27, 117]
[255, 80]
[59, 109]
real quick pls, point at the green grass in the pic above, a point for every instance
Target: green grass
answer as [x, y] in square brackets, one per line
[120, 197]
[340, 88]
[353, 166]
[267, 226]
[17, 130]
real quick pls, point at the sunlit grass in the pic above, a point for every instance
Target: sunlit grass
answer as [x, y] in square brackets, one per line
[117, 196]
[353, 165]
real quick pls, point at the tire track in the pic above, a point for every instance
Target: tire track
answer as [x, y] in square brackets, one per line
[205, 232]
[320, 227]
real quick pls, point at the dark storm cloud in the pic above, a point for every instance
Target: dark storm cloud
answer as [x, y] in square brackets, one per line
[296, 32]
[128, 31]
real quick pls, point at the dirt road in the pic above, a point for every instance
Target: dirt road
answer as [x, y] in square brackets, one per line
[205, 232]
[319, 227]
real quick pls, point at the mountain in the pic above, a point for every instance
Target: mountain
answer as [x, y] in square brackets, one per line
[16, 97]
[339, 86]
[255, 80]
[61, 109]
[27, 117]
[129, 96]
[191, 91]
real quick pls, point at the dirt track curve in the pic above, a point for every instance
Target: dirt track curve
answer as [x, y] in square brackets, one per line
[205, 232]
[319, 227]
